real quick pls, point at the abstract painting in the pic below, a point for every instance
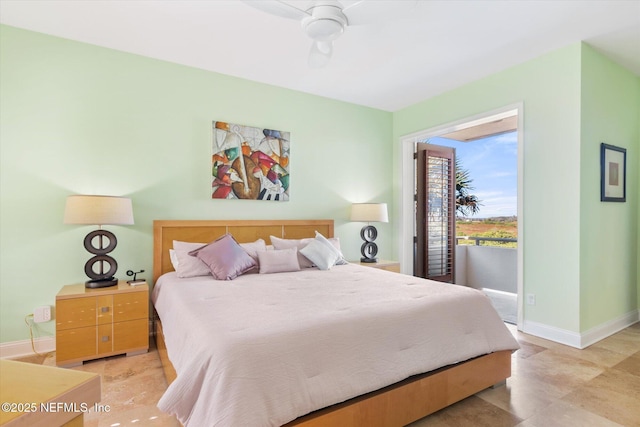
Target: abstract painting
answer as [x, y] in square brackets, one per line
[250, 163]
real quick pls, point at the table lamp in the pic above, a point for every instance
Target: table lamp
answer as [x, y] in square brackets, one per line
[369, 212]
[99, 210]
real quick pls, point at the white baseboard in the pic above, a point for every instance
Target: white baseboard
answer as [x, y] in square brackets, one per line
[14, 349]
[552, 333]
[609, 328]
[584, 339]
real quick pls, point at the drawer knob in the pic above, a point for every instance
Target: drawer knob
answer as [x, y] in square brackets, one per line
[105, 338]
[104, 309]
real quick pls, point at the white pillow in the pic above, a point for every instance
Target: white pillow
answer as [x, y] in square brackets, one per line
[254, 247]
[174, 259]
[322, 253]
[335, 242]
[278, 261]
[189, 266]
[303, 260]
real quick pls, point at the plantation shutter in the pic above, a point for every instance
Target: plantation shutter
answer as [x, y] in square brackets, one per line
[435, 213]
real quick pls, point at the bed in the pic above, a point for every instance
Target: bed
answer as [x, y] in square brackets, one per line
[376, 395]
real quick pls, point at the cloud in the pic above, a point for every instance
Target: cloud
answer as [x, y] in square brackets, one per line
[500, 174]
[507, 143]
[497, 203]
[506, 138]
[489, 194]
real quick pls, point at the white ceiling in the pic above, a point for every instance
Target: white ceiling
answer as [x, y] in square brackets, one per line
[425, 49]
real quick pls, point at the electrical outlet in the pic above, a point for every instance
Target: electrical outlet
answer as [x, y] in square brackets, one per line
[531, 299]
[42, 314]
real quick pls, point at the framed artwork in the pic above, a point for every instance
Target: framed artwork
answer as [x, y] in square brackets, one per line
[613, 173]
[249, 163]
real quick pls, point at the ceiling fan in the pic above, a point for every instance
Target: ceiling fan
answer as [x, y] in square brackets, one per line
[325, 20]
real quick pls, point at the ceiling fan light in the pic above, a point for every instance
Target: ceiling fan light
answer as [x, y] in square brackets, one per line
[323, 29]
[320, 54]
[326, 22]
[326, 48]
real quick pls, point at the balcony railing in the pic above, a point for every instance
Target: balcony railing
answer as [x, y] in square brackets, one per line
[479, 240]
[487, 266]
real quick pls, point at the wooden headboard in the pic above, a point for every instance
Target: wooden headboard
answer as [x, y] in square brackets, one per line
[244, 231]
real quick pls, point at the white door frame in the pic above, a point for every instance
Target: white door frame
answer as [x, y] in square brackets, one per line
[407, 170]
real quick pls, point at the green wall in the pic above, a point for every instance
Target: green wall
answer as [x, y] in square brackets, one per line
[567, 96]
[549, 88]
[76, 118]
[610, 105]
[80, 119]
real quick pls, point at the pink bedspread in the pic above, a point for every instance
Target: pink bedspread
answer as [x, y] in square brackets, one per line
[264, 349]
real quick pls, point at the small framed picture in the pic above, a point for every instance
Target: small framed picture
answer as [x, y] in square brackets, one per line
[613, 173]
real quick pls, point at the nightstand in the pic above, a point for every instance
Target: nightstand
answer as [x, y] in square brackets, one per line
[382, 265]
[95, 323]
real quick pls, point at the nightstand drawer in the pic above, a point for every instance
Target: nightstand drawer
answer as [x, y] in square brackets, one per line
[133, 334]
[75, 313]
[130, 306]
[76, 343]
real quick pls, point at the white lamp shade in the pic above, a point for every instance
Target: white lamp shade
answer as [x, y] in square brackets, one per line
[369, 212]
[98, 210]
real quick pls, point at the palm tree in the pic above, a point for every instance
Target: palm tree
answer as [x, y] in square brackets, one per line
[466, 204]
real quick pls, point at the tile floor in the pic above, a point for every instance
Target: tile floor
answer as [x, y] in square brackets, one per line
[552, 385]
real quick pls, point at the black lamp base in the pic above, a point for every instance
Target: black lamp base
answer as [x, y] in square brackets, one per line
[101, 283]
[100, 278]
[369, 249]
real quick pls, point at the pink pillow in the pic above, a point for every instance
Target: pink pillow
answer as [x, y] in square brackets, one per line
[279, 261]
[280, 244]
[225, 258]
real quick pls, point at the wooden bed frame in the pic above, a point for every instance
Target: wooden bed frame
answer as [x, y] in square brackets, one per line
[396, 405]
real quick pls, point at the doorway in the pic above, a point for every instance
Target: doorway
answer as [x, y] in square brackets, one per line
[491, 123]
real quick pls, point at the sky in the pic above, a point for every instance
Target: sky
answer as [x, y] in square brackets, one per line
[492, 163]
